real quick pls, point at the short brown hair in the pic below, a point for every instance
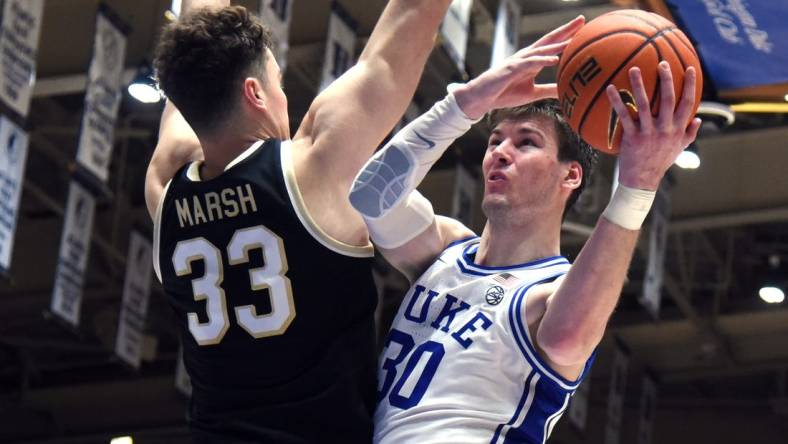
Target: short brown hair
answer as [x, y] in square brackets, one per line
[570, 145]
[201, 57]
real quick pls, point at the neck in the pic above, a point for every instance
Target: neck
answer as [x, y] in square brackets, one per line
[222, 147]
[504, 243]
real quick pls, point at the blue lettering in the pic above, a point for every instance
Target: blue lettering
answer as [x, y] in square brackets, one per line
[471, 325]
[448, 312]
[425, 305]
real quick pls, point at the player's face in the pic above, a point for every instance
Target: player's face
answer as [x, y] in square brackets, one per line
[521, 167]
[276, 101]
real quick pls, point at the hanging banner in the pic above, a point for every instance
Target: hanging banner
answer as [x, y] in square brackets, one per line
[657, 244]
[739, 41]
[21, 27]
[182, 381]
[464, 196]
[578, 406]
[102, 98]
[615, 397]
[507, 31]
[454, 31]
[13, 156]
[648, 407]
[340, 45]
[134, 309]
[73, 258]
[276, 15]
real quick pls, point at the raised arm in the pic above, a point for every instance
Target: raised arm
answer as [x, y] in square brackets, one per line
[576, 314]
[350, 118]
[401, 221]
[178, 144]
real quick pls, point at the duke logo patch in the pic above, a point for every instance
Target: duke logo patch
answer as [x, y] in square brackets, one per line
[494, 295]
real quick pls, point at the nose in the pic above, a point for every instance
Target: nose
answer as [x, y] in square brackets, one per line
[501, 153]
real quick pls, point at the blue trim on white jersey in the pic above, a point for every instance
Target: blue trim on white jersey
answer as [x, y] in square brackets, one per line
[467, 265]
[550, 403]
[523, 339]
[523, 406]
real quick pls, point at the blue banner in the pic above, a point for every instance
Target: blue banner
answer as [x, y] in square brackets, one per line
[741, 42]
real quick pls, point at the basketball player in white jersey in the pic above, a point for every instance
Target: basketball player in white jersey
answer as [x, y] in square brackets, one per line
[497, 331]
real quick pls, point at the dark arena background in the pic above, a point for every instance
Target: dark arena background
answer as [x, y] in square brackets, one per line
[696, 352]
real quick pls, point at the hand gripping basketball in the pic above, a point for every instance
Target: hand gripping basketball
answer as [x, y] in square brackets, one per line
[650, 144]
[512, 82]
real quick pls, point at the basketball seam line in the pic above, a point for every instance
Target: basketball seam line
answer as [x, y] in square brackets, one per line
[600, 37]
[690, 47]
[649, 41]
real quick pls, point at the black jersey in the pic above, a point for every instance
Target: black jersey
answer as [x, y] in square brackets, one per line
[276, 317]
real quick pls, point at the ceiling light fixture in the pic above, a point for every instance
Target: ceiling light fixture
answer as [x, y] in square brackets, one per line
[689, 159]
[143, 87]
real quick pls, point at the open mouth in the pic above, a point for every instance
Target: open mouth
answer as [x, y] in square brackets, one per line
[496, 176]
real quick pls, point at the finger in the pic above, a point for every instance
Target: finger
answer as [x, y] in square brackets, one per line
[621, 110]
[692, 131]
[551, 49]
[687, 103]
[641, 99]
[532, 65]
[563, 32]
[545, 91]
[667, 102]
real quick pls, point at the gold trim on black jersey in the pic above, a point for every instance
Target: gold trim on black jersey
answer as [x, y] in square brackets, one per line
[303, 213]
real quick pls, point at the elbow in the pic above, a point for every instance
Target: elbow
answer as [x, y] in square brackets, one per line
[564, 346]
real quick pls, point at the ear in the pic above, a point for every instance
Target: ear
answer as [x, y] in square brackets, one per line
[574, 175]
[253, 93]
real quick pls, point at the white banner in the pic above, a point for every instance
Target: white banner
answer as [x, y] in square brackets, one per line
[578, 407]
[21, 28]
[657, 244]
[340, 47]
[182, 381]
[134, 309]
[648, 408]
[73, 258]
[615, 397]
[507, 31]
[464, 196]
[454, 31]
[276, 15]
[13, 155]
[102, 98]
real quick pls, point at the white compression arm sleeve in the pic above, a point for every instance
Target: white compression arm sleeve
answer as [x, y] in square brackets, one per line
[382, 189]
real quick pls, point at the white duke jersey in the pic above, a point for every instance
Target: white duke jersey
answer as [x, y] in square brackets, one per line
[459, 365]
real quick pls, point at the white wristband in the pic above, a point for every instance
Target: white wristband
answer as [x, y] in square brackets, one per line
[629, 207]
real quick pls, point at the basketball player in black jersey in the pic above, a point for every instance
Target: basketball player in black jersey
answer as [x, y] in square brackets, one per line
[266, 264]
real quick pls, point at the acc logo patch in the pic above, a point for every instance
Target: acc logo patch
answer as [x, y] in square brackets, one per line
[494, 295]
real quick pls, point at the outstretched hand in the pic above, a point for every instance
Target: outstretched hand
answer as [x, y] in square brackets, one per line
[512, 83]
[650, 144]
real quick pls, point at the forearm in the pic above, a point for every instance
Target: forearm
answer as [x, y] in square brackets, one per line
[577, 313]
[384, 189]
[350, 118]
[399, 167]
[177, 145]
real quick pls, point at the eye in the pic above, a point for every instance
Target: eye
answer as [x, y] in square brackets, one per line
[528, 142]
[493, 142]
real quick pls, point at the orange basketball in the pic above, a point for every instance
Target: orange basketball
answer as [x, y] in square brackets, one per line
[602, 53]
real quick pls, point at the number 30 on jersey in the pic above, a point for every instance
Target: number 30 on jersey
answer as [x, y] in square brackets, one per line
[270, 276]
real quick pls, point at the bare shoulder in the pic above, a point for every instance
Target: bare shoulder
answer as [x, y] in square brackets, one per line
[322, 197]
[537, 299]
[452, 230]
